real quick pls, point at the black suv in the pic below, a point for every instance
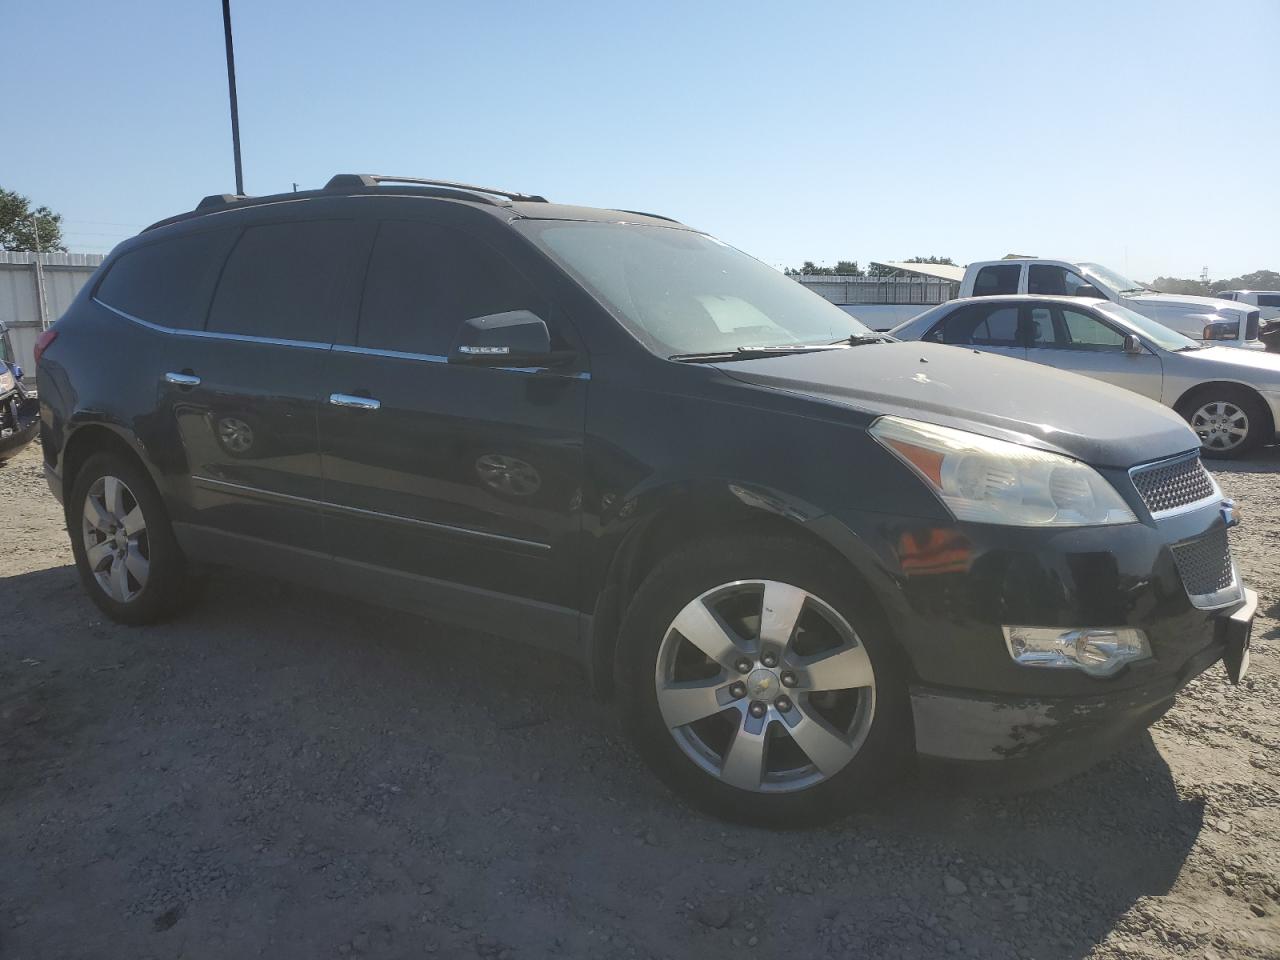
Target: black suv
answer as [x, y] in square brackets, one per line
[799, 554]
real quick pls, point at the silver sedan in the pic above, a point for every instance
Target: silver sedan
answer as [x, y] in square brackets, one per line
[1230, 397]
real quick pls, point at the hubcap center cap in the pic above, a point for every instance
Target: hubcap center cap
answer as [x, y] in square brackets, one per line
[763, 684]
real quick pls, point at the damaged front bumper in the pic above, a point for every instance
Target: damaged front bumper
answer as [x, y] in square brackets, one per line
[19, 422]
[1003, 741]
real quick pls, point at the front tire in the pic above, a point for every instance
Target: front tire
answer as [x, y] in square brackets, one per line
[128, 559]
[1230, 421]
[762, 684]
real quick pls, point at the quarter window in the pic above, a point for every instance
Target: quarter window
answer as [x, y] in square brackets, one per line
[426, 280]
[286, 281]
[167, 282]
[997, 280]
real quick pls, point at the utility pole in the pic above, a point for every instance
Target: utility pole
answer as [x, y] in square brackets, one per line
[231, 86]
[42, 308]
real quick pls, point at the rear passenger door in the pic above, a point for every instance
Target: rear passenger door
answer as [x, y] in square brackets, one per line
[245, 387]
[989, 327]
[452, 485]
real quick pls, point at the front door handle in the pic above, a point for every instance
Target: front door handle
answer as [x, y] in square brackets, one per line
[186, 380]
[354, 402]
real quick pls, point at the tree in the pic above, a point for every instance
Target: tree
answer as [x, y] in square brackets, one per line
[810, 269]
[943, 260]
[18, 232]
[1258, 280]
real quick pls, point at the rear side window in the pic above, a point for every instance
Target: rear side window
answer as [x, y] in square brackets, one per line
[1225, 296]
[996, 280]
[169, 282]
[286, 281]
[425, 280]
[1269, 299]
[1053, 281]
[994, 326]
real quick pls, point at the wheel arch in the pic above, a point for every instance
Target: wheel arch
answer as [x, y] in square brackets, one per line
[98, 437]
[1191, 394]
[691, 516]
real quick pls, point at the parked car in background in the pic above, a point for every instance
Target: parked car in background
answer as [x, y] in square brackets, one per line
[1207, 319]
[1267, 301]
[19, 409]
[800, 555]
[1231, 398]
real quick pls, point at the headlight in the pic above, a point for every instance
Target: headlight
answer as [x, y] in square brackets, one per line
[993, 481]
[1221, 330]
[6, 381]
[1099, 651]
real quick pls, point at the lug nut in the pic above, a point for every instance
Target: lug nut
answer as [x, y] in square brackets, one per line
[769, 659]
[743, 665]
[757, 709]
[788, 678]
[783, 704]
[738, 690]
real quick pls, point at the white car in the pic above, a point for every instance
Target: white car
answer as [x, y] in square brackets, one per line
[1207, 319]
[1231, 398]
[1267, 301]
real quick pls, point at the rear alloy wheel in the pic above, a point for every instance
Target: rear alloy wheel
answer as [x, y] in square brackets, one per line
[116, 546]
[128, 559]
[1229, 421]
[761, 682]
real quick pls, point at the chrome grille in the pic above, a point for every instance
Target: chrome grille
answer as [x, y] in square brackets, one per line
[1173, 484]
[1206, 569]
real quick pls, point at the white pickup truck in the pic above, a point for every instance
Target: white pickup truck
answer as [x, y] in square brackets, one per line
[1208, 319]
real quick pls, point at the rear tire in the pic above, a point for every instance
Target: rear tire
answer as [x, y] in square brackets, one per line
[125, 551]
[816, 660]
[1231, 421]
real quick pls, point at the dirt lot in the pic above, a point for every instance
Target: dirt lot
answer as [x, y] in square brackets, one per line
[285, 774]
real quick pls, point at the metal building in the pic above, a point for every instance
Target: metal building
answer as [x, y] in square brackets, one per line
[36, 289]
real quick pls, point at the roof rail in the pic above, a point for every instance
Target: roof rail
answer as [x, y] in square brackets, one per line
[654, 216]
[355, 181]
[218, 200]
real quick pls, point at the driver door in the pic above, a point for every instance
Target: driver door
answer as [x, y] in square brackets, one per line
[1078, 340]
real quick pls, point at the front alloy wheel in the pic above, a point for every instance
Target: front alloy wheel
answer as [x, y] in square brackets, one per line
[1221, 426]
[116, 546]
[765, 686]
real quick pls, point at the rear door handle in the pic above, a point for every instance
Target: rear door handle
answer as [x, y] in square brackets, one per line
[354, 402]
[182, 379]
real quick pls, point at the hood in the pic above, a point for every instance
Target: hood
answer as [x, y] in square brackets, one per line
[995, 396]
[1187, 303]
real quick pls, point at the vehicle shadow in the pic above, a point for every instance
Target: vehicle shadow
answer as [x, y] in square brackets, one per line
[1265, 460]
[345, 772]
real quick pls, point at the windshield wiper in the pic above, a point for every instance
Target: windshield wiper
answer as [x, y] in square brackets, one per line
[754, 353]
[857, 340]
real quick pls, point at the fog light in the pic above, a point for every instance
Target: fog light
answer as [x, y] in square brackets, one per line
[1098, 651]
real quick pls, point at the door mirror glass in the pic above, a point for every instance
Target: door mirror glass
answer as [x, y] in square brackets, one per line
[514, 338]
[1089, 290]
[1132, 344]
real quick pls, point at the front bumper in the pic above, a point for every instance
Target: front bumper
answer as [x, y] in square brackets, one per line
[948, 590]
[1009, 742]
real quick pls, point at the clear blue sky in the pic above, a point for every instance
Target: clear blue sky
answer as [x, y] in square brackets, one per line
[1145, 135]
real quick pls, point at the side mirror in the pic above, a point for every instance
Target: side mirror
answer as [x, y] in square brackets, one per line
[515, 338]
[17, 372]
[1132, 344]
[1088, 290]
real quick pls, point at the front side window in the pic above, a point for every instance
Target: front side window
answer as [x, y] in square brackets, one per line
[1049, 280]
[997, 280]
[683, 293]
[285, 281]
[1083, 331]
[1269, 299]
[425, 280]
[167, 282]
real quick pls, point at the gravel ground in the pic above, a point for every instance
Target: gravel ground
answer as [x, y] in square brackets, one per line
[285, 774]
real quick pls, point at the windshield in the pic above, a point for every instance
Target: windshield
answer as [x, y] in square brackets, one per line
[1154, 332]
[1115, 281]
[684, 293]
